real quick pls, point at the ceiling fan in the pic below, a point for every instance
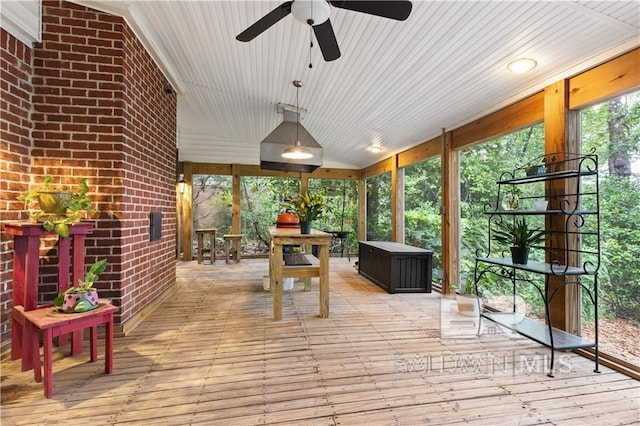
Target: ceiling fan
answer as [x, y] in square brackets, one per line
[316, 14]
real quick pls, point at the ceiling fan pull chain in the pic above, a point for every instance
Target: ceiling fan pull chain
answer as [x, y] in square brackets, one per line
[310, 45]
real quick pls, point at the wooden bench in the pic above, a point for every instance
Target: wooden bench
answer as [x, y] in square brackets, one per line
[55, 324]
[232, 247]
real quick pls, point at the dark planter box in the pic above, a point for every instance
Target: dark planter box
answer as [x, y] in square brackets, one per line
[396, 267]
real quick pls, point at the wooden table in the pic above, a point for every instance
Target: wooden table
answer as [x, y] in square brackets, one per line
[55, 324]
[277, 270]
[26, 267]
[200, 233]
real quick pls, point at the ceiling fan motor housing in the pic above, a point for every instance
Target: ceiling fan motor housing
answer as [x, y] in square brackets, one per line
[312, 12]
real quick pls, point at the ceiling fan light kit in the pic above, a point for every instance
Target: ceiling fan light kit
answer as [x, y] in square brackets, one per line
[312, 12]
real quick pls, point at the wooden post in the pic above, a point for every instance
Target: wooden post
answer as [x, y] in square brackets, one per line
[186, 218]
[236, 214]
[450, 175]
[561, 135]
[397, 202]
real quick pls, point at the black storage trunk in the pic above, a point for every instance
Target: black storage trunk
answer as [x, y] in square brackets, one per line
[396, 267]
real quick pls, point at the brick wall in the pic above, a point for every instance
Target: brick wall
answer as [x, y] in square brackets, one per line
[99, 112]
[15, 146]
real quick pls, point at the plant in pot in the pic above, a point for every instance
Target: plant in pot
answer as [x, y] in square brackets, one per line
[519, 237]
[57, 208]
[469, 303]
[511, 198]
[308, 207]
[83, 297]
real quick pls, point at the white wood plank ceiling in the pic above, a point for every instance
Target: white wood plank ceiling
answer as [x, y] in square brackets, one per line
[396, 84]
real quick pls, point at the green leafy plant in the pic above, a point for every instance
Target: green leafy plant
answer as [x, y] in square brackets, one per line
[518, 234]
[85, 285]
[307, 206]
[467, 287]
[75, 205]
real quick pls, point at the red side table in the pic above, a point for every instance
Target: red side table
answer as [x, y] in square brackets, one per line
[26, 253]
[55, 324]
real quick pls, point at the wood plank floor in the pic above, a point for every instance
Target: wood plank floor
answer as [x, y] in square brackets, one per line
[213, 355]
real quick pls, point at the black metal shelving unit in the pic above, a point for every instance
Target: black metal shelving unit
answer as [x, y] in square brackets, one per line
[576, 206]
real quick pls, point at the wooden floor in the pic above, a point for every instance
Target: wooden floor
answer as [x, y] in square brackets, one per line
[213, 355]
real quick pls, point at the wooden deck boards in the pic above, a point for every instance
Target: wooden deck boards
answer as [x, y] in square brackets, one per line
[213, 355]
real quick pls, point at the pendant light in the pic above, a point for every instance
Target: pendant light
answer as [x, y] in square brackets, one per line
[297, 152]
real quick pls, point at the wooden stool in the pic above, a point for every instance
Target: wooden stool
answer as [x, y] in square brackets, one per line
[232, 246]
[200, 233]
[55, 324]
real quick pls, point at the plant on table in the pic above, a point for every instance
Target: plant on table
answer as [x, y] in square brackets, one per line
[83, 297]
[57, 208]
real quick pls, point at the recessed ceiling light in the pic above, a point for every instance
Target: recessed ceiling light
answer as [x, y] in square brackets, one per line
[375, 148]
[522, 65]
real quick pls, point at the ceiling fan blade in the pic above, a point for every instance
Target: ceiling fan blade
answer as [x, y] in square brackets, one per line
[399, 9]
[327, 41]
[263, 24]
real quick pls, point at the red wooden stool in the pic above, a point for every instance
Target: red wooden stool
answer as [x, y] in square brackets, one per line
[55, 324]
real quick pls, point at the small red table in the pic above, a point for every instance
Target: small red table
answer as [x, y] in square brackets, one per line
[55, 324]
[26, 257]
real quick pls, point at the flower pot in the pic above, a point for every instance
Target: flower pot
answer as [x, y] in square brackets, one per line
[305, 226]
[520, 255]
[510, 202]
[54, 202]
[469, 304]
[80, 302]
[536, 170]
[540, 205]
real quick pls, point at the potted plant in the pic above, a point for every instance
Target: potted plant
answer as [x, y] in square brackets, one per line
[469, 303]
[511, 200]
[308, 207]
[57, 208]
[84, 297]
[519, 237]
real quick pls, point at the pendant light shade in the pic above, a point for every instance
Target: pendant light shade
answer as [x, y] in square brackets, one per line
[298, 152]
[290, 147]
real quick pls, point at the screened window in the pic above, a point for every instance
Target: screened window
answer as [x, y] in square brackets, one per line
[612, 130]
[481, 166]
[379, 207]
[422, 201]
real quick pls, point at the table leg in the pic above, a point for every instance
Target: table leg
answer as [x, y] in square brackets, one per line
[324, 281]
[35, 351]
[212, 244]
[200, 246]
[48, 362]
[108, 344]
[276, 282]
[93, 343]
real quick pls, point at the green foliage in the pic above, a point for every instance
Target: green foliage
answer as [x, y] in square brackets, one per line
[85, 285]
[466, 287]
[422, 201]
[77, 205]
[379, 207]
[307, 206]
[620, 244]
[517, 233]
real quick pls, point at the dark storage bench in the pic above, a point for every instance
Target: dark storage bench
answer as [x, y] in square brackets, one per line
[396, 267]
